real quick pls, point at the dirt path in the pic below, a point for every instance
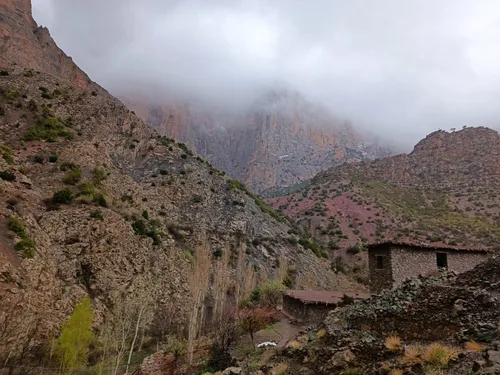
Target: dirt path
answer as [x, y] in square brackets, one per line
[281, 332]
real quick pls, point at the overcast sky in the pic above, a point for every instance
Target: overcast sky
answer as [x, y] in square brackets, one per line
[401, 68]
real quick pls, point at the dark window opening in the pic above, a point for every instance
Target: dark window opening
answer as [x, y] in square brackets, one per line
[442, 260]
[380, 262]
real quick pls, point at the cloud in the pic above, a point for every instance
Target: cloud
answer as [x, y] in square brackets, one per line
[398, 68]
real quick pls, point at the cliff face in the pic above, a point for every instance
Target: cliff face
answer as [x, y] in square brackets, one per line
[30, 46]
[93, 202]
[280, 141]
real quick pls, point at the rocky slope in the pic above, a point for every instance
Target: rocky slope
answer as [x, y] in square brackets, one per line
[444, 191]
[94, 202]
[280, 141]
[447, 324]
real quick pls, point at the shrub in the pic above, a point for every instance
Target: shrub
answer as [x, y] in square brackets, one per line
[64, 196]
[196, 199]
[279, 369]
[4, 73]
[271, 293]
[96, 214]
[16, 226]
[217, 253]
[475, 346]
[47, 128]
[98, 175]
[354, 249]
[7, 176]
[145, 215]
[393, 343]
[38, 159]
[73, 177]
[27, 246]
[66, 166]
[139, 227]
[32, 106]
[100, 199]
[2, 110]
[7, 154]
[321, 333]
[53, 158]
[439, 355]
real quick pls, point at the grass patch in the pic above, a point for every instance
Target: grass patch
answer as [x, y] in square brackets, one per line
[27, 245]
[16, 225]
[7, 153]
[47, 128]
[73, 177]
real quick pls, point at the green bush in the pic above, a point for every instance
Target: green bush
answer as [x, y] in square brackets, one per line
[98, 175]
[7, 154]
[27, 246]
[7, 176]
[4, 73]
[64, 196]
[145, 215]
[53, 158]
[16, 225]
[48, 129]
[271, 293]
[97, 214]
[139, 227]
[66, 166]
[73, 177]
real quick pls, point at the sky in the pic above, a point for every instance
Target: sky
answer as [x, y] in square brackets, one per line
[398, 69]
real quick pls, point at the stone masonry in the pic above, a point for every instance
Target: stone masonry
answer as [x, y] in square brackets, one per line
[391, 263]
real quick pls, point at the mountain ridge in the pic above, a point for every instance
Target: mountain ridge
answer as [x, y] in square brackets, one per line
[281, 140]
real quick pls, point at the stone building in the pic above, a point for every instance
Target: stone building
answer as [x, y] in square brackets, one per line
[392, 262]
[311, 307]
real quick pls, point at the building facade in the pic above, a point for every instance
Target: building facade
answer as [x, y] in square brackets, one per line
[390, 263]
[311, 307]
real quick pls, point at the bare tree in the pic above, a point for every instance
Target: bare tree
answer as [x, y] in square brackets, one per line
[199, 283]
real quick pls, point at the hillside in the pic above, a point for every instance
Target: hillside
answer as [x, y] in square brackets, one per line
[281, 140]
[441, 325]
[95, 203]
[444, 191]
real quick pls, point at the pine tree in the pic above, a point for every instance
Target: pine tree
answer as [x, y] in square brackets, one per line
[72, 346]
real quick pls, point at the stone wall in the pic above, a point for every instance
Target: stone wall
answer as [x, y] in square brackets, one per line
[380, 278]
[411, 263]
[408, 263]
[309, 314]
[465, 261]
[403, 263]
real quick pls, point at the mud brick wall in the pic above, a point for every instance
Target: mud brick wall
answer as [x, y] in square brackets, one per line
[310, 314]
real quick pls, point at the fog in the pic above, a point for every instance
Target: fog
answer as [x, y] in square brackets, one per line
[400, 69]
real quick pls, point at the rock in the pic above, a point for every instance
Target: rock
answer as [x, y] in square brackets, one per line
[458, 307]
[341, 359]
[232, 371]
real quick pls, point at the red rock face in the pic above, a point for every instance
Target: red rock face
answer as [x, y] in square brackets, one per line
[282, 140]
[23, 43]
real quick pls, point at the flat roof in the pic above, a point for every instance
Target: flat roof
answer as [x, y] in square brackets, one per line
[423, 246]
[323, 296]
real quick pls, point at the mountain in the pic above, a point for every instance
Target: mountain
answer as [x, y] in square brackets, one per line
[94, 203]
[444, 191]
[281, 140]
